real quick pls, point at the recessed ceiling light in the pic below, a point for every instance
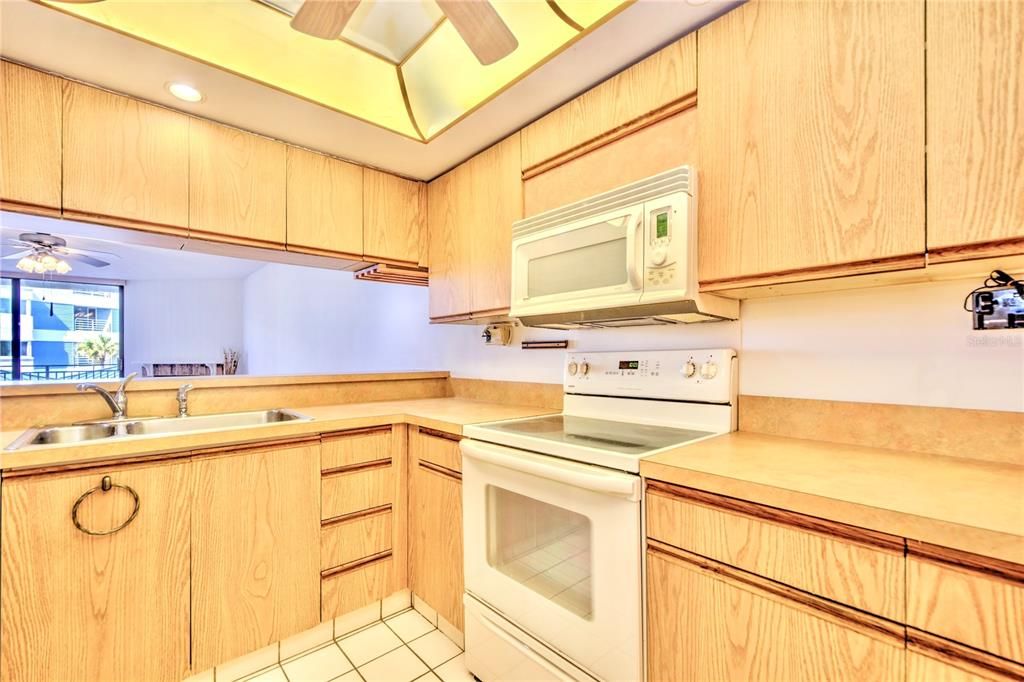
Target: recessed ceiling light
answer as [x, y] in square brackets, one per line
[185, 92]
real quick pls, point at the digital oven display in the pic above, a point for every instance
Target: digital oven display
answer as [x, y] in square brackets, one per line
[629, 364]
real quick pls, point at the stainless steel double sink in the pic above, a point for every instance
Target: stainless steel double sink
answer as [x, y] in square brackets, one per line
[144, 426]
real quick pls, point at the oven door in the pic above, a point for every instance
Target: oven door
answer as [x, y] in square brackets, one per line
[595, 262]
[554, 546]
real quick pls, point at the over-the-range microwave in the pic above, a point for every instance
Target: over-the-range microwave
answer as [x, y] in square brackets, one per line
[627, 257]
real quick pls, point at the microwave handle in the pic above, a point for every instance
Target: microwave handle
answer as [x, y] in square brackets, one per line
[634, 237]
[579, 476]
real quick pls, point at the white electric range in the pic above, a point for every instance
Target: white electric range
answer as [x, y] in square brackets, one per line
[552, 515]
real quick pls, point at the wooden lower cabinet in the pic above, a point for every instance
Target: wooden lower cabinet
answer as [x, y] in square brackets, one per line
[255, 549]
[704, 624]
[435, 532]
[86, 607]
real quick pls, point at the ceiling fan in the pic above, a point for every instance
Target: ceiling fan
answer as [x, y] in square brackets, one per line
[476, 21]
[40, 253]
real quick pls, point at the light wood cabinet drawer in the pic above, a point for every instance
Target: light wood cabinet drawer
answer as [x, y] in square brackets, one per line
[850, 565]
[354, 588]
[355, 447]
[354, 539]
[978, 605]
[357, 490]
[438, 448]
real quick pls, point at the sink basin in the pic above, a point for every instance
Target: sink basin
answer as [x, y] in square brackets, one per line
[81, 433]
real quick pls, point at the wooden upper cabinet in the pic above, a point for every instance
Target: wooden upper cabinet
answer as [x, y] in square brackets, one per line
[255, 549]
[471, 211]
[811, 128]
[647, 89]
[30, 111]
[236, 185]
[124, 159]
[394, 210]
[325, 203]
[975, 128]
[77, 607]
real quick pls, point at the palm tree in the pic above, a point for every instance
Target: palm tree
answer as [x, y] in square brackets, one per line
[99, 349]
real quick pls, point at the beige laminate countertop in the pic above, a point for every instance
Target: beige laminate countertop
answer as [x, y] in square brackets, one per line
[966, 504]
[443, 414]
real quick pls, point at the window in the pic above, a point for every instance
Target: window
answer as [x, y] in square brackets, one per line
[65, 331]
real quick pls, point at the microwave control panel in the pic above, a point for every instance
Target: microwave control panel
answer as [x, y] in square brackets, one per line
[666, 248]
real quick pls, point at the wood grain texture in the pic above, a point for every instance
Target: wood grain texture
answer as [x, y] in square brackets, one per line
[255, 550]
[924, 668]
[659, 147]
[358, 490]
[471, 211]
[966, 606]
[427, 447]
[811, 136]
[112, 608]
[124, 158]
[359, 447]
[394, 211]
[975, 123]
[435, 541]
[704, 626]
[347, 591]
[30, 139]
[865, 577]
[237, 185]
[324, 203]
[666, 76]
[509, 392]
[354, 539]
[986, 435]
[931, 658]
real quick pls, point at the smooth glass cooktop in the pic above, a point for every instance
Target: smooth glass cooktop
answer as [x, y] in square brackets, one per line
[620, 437]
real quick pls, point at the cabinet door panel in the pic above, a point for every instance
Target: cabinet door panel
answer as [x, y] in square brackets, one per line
[448, 209]
[395, 209]
[435, 539]
[255, 550]
[83, 607]
[702, 627]
[325, 203]
[975, 124]
[30, 111]
[811, 140]
[236, 185]
[124, 158]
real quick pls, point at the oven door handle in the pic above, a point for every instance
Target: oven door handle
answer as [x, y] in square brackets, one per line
[577, 475]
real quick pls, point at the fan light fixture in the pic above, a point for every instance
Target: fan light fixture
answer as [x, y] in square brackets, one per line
[41, 263]
[185, 92]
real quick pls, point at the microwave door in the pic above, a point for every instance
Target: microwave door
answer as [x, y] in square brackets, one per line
[600, 257]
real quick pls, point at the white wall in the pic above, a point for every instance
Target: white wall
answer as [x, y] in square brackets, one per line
[181, 320]
[307, 321]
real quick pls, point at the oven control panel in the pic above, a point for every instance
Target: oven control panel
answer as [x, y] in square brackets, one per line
[707, 375]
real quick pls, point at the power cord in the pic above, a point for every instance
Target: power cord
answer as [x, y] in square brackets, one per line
[997, 279]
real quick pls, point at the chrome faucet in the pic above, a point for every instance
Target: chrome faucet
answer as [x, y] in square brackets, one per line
[119, 401]
[183, 399]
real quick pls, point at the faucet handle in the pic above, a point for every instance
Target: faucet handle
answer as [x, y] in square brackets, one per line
[183, 390]
[124, 382]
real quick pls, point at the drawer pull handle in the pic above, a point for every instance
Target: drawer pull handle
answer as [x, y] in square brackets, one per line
[104, 486]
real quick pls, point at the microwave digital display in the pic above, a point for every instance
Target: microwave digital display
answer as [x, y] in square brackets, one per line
[629, 364]
[661, 225]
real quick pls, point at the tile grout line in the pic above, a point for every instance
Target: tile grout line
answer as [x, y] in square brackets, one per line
[406, 644]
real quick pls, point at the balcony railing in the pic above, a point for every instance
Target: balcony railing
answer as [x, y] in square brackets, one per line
[63, 372]
[86, 324]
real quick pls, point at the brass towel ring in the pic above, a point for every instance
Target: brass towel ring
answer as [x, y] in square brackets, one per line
[104, 486]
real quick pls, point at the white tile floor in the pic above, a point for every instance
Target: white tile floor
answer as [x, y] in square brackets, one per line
[405, 647]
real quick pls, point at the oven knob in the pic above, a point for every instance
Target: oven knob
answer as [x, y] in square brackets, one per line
[584, 368]
[708, 370]
[689, 369]
[659, 256]
[572, 369]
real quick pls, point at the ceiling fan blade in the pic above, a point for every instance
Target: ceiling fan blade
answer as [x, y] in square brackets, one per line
[88, 260]
[480, 26]
[20, 254]
[67, 250]
[324, 18]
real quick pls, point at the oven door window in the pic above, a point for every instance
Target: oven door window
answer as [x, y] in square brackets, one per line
[543, 547]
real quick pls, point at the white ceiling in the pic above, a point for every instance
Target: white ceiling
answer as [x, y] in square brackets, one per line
[36, 35]
[130, 261]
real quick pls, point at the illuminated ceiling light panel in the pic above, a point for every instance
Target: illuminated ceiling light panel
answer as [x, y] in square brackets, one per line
[399, 64]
